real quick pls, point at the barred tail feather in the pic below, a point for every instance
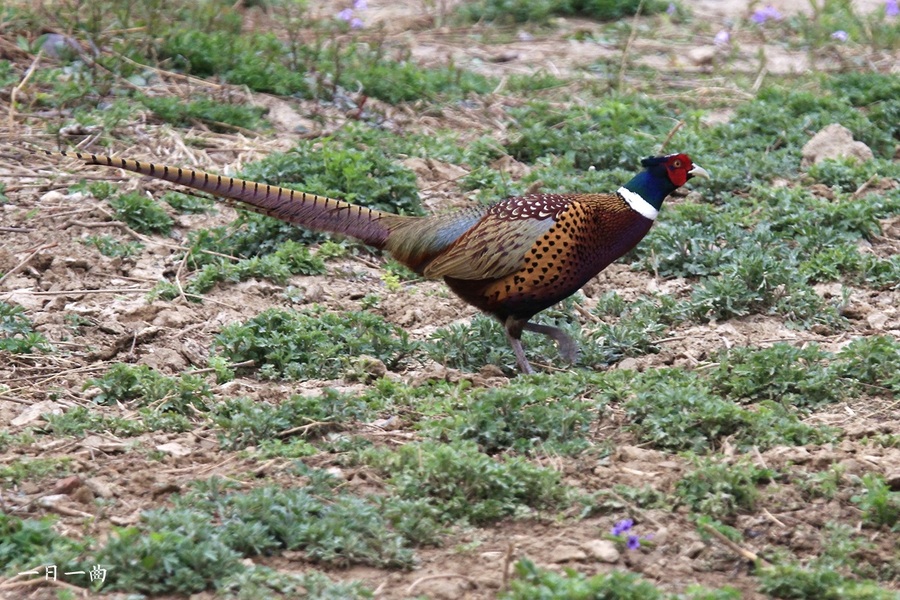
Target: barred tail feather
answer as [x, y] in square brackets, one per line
[300, 208]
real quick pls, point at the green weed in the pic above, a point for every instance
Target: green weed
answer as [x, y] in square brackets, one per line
[111, 247]
[472, 345]
[182, 555]
[782, 373]
[881, 273]
[312, 343]
[543, 412]
[80, 420]
[219, 114]
[33, 469]
[355, 67]
[823, 484]
[872, 361]
[676, 410]
[533, 582]
[718, 489]
[795, 582]
[29, 543]
[126, 383]
[187, 203]
[289, 258]
[844, 175]
[245, 422]
[197, 544]
[255, 60]
[141, 213]
[637, 327]
[263, 582]
[880, 505]
[816, 31]
[17, 334]
[599, 136]
[509, 12]
[464, 483]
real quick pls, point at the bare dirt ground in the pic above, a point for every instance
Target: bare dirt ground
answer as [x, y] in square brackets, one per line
[54, 275]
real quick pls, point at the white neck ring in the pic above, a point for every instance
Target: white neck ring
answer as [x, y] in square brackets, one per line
[638, 204]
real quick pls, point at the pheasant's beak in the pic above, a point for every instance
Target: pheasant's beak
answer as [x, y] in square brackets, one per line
[699, 171]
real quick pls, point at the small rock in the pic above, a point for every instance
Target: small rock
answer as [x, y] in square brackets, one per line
[53, 196]
[313, 293]
[797, 455]
[694, 550]
[702, 55]
[174, 449]
[164, 359]
[634, 453]
[99, 487]
[336, 472]
[83, 495]
[504, 57]
[434, 171]
[165, 488]
[67, 485]
[283, 116]
[893, 480]
[25, 298]
[567, 553]
[628, 363]
[390, 424]
[52, 499]
[490, 370]
[602, 550]
[372, 367]
[834, 141]
[661, 536]
[196, 353]
[34, 412]
[877, 320]
[491, 556]
[174, 318]
[507, 164]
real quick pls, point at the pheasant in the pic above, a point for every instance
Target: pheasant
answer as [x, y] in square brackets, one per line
[511, 259]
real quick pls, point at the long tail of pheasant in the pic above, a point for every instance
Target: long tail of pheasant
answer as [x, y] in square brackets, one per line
[414, 241]
[312, 211]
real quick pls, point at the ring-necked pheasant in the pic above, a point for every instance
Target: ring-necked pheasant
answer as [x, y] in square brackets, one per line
[512, 259]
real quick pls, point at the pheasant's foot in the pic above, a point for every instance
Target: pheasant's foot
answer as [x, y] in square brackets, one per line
[568, 349]
[521, 361]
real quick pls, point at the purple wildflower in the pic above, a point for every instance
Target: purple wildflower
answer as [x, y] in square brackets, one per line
[622, 526]
[360, 5]
[891, 9]
[723, 38]
[840, 35]
[670, 10]
[345, 15]
[356, 23]
[633, 542]
[768, 12]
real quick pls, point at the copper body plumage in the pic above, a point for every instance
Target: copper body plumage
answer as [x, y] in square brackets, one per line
[512, 259]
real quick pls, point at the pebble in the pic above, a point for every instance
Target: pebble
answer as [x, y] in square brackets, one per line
[567, 553]
[602, 550]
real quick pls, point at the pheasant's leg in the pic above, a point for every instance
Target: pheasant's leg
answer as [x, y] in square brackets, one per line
[513, 329]
[568, 349]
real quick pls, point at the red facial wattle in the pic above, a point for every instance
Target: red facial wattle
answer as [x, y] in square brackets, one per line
[678, 167]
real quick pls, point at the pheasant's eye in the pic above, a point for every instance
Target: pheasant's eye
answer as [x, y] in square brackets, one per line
[677, 164]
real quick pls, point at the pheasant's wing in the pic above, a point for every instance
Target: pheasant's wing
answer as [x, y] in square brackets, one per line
[495, 247]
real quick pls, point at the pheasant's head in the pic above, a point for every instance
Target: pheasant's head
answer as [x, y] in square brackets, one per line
[661, 176]
[678, 168]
